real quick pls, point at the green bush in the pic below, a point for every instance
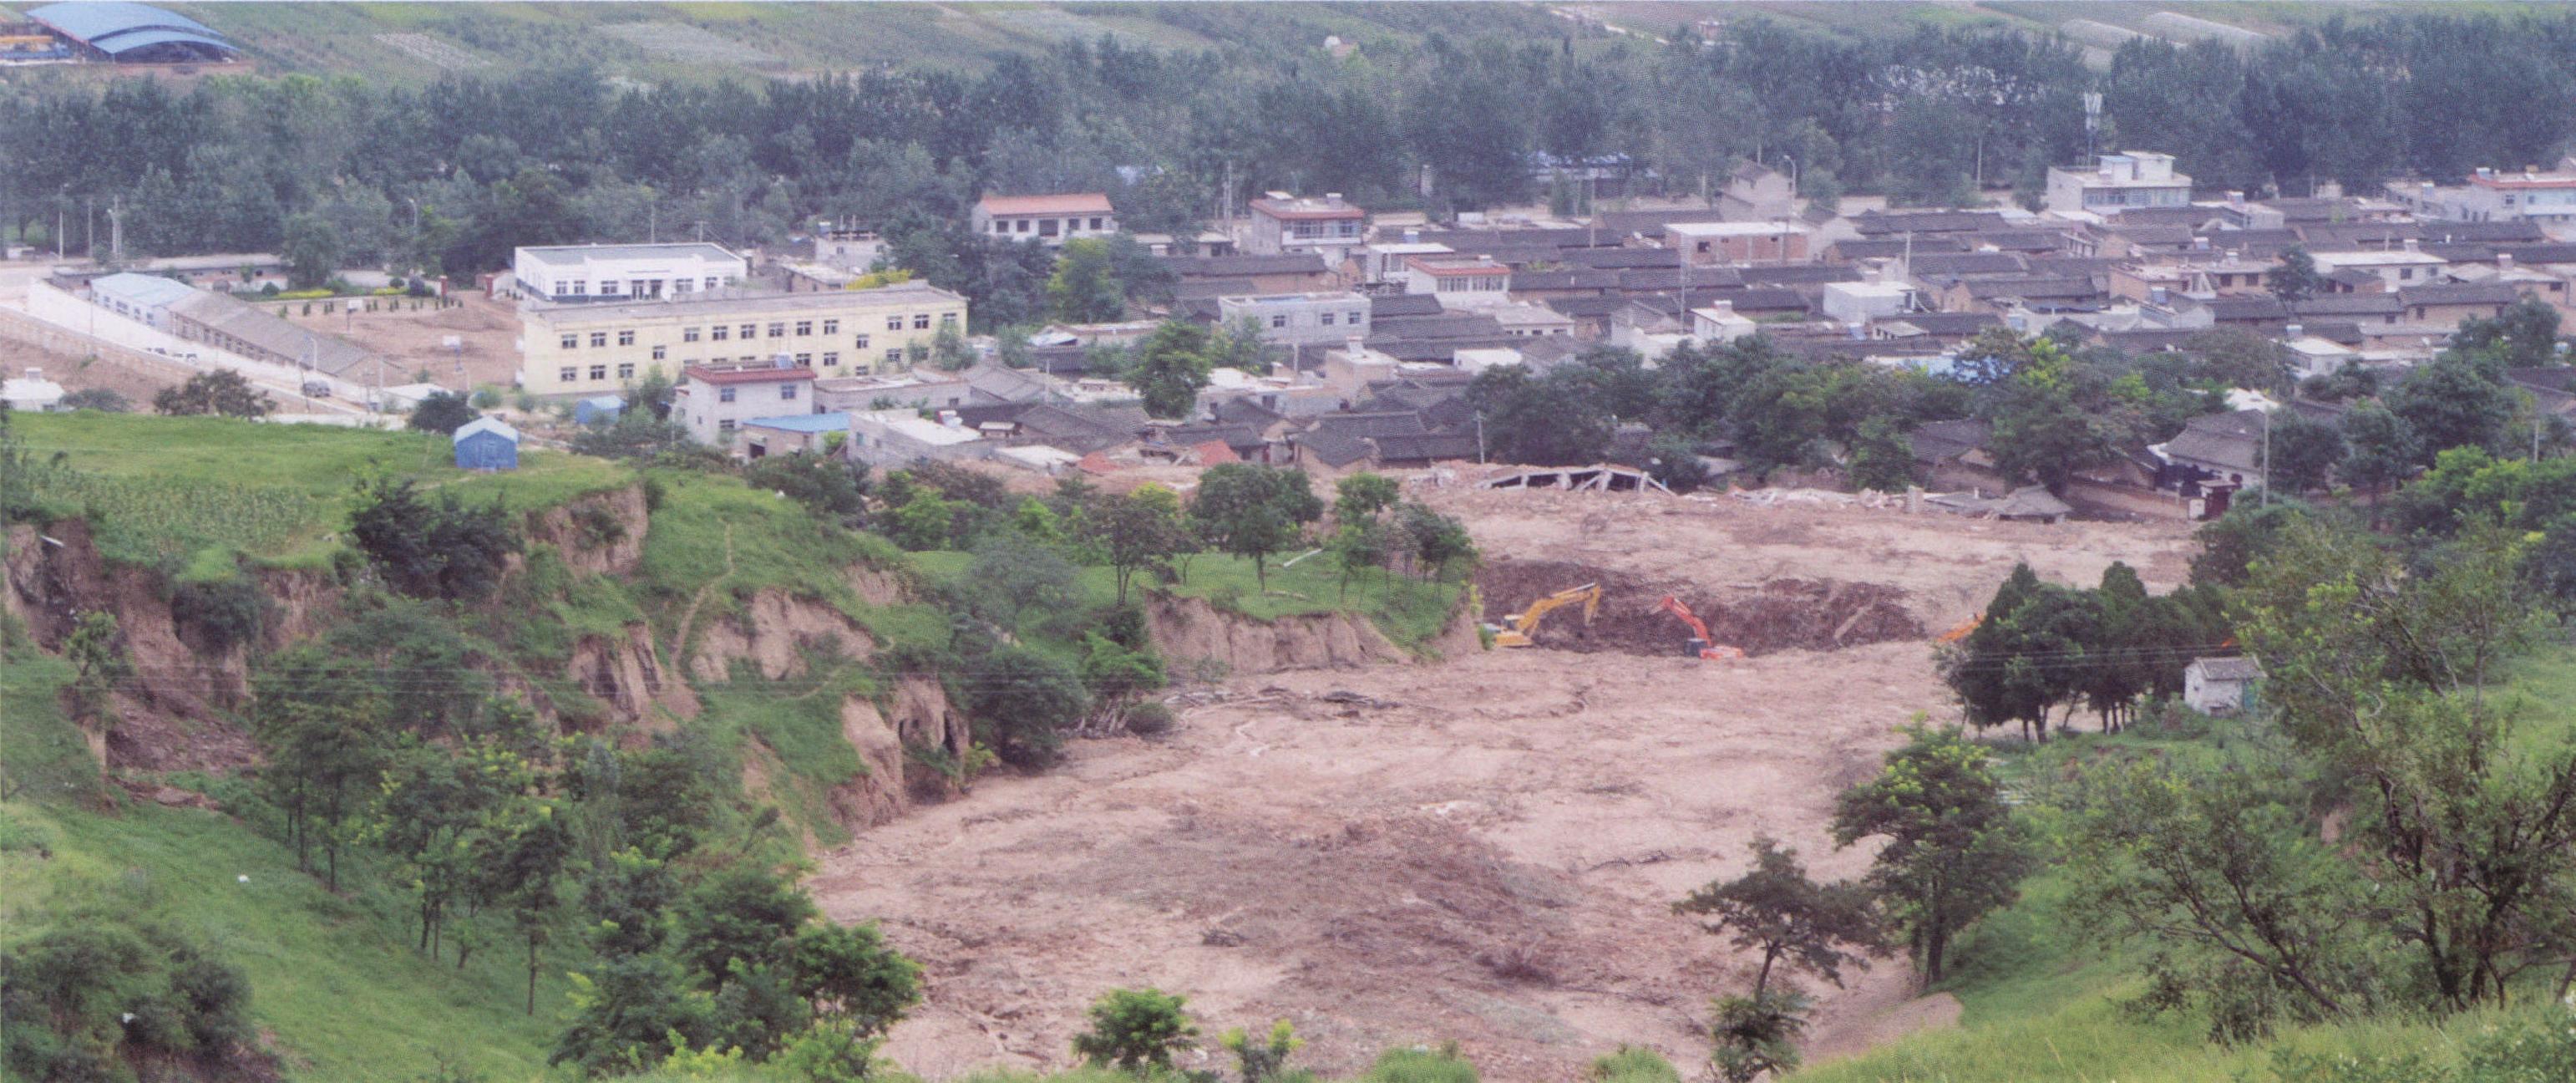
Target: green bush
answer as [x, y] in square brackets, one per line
[220, 614]
[1421, 1066]
[87, 998]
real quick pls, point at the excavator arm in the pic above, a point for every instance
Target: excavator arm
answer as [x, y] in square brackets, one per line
[1518, 628]
[1708, 651]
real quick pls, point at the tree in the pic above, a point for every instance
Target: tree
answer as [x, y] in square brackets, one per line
[1536, 420]
[1952, 852]
[1023, 703]
[1265, 1060]
[1170, 367]
[222, 392]
[1135, 1030]
[2304, 453]
[426, 549]
[1775, 909]
[744, 915]
[323, 724]
[92, 995]
[2296, 278]
[2382, 450]
[1252, 511]
[2040, 432]
[2237, 357]
[1434, 541]
[2524, 335]
[99, 664]
[1881, 457]
[1357, 546]
[443, 412]
[2457, 401]
[312, 250]
[923, 520]
[626, 1012]
[1755, 1035]
[1084, 287]
[1140, 530]
[1363, 495]
[853, 979]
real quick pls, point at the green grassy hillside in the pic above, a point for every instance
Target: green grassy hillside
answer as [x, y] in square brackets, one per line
[2042, 999]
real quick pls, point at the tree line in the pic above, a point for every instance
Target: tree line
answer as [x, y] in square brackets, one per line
[450, 176]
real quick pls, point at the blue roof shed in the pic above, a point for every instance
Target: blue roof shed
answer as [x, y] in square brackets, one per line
[487, 444]
[598, 409]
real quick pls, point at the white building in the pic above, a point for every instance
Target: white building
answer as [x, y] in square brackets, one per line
[713, 401]
[578, 274]
[2117, 182]
[1867, 302]
[145, 299]
[1458, 281]
[1384, 261]
[2220, 685]
[1050, 220]
[1282, 224]
[1717, 321]
[1298, 319]
[896, 438]
[33, 393]
[2396, 268]
[2493, 195]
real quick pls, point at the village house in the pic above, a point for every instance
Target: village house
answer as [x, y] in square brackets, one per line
[2496, 195]
[32, 393]
[787, 434]
[888, 439]
[2392, 268]
[1297, 319]
[587, 348]
[713, 400]
[2220, 685]
[1050, 220]
[2134, 178]
[1757, 192]
[1780, 240]
[1283, 224]
[1458, 282]
[226, 323]
[2447, 303]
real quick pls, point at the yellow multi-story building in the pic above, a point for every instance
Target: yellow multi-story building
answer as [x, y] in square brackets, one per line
[598, 347]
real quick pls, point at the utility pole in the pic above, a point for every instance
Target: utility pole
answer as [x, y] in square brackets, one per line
[2266, 500]
[116, 231]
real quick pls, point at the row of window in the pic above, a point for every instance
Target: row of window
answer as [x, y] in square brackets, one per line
[831, 359]
[1045, 226]
[786, 392]
[920, 321]
[636, 287]
[1358, 317]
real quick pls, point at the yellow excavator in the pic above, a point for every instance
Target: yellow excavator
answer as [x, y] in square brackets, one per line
[1517, 628]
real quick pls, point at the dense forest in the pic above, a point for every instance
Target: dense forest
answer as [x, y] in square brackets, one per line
[451, 176]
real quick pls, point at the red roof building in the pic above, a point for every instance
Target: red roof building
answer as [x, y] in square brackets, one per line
[1050, 220]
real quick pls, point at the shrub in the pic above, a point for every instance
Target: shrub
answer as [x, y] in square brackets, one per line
[88, 997]
[1134, 1030]
[425, 549]
[219, 614]
[1421, 1066]
[1150, 719]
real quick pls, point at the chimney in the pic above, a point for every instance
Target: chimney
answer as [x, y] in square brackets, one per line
[1332, 199]
[2232, 254]
[1412, 236]
[1858, 330]
[2200, 244]
[1355, 346]
[1721, 308]
[34, 373]
[949, 418]
[2293, 332]
[2410, 244]
[2156, 296]
[2235, 198]
[1869, 273]
[2504, 261]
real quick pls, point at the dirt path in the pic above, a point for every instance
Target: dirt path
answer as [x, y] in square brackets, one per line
[689, 617]
[1490, 860]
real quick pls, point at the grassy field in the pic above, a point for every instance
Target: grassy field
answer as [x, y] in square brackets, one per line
[2041, 997]
[686, 42]
[166, 489]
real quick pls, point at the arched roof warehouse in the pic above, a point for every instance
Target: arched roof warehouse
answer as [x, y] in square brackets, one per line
[134, 32]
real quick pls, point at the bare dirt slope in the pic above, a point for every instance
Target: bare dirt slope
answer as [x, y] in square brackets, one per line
[1483, 850]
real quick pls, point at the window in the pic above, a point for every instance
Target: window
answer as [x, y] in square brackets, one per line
[894, 323]
[681, 285]
[1095, 222]
[787, 392]
[636, 287]
[626, 370]
[921, 321]
[894, 356]
[1046, 227]
[567, 374]
[778, 330]
[598, 339]
[724, 394]
[947, 319]
[863, 342]
[599, 372]
[690, 334]
[1358, 317]
[626, 338]
[608, 288]
[1000, 226]
[1328, 319]
[577, 287]
[1279, 319]
[721, 331]
[725, 426]
[805, 360]
[804, 327]
[750, 331]
[571, 342]
[830, 327]
[711, 281]
[660, 352]
[831, 359]
[1021, 226]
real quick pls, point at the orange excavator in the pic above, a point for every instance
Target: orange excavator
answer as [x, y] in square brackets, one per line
[1961, 632]
[1699, 644]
